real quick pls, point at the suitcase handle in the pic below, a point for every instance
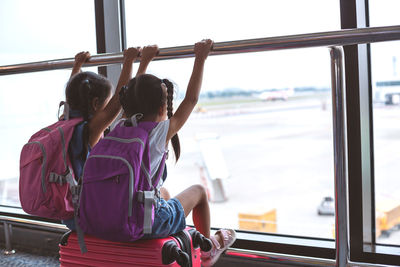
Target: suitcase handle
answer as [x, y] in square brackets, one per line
[64, 238]
[171, 252]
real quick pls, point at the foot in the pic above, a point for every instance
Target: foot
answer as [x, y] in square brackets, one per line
[222, 240]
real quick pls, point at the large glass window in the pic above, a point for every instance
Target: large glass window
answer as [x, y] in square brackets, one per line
[28, 102]
[385, 68]
[173, 23]
[260, 138]
[45, 29]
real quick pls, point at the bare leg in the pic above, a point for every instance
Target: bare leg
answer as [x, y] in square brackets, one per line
[195, 198]
[164, 193]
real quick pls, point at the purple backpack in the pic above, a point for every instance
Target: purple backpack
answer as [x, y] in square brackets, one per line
[46, 175]
[118, 195]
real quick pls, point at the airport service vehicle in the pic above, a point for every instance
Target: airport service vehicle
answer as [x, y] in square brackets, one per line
[387, 217]
[327, 206]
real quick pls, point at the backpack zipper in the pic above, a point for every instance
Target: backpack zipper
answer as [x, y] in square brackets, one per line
[123, 140]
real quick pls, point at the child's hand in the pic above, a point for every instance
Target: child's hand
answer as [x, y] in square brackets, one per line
[149, 52]
[131, 54]
[81, 58]
[203, 48]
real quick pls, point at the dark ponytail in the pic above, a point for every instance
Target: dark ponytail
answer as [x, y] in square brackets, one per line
[126, 97]
[170, 96]
[80, 92]
[85, 96]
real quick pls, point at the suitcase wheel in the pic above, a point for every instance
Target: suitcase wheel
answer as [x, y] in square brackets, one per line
[171, 252]
[201, 241]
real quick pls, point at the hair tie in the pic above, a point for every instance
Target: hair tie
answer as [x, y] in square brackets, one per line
[86, 82]
[164, 86]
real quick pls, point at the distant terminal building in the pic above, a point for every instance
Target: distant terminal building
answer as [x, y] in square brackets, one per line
[388, 92]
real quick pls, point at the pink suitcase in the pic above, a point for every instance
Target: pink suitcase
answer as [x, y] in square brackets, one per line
[181, 249]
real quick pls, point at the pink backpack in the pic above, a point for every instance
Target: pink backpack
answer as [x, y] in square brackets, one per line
[46, 181]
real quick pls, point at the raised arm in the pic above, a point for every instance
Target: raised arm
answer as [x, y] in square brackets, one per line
[130, 55]
[103, 118]
[148, 53]
[201, 50]
[80, 58]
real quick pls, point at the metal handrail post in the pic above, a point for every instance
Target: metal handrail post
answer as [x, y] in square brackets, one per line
[338, 114]
[7, 236]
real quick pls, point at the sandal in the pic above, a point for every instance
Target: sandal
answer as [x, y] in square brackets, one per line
[209, 258]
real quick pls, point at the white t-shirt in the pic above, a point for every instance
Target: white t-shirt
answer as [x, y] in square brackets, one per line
[158, 145]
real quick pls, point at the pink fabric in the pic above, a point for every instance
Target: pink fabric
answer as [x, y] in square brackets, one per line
[103, 253]
[40, 157]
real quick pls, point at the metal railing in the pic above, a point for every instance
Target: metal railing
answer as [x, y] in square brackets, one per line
[333, 38]
[324, 39]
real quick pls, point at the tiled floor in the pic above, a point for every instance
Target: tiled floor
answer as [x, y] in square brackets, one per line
[23, 259]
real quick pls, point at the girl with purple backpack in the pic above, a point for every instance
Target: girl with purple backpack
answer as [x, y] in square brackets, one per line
[88, 95]
[147, 98]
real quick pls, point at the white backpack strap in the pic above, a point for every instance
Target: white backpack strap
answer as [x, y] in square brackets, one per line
[134, 119]
[149, 198]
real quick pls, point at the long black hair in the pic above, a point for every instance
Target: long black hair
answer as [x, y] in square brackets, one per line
[144, 94]
[81, 89]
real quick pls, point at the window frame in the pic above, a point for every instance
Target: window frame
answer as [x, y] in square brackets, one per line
[363, 247]
[360, 158]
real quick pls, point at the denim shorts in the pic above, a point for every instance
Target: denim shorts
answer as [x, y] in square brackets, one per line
[169, 219]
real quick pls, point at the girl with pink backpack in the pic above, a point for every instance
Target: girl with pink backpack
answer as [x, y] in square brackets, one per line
[148, 99]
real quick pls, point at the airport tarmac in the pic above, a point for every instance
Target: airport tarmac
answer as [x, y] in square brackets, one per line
[279, 156]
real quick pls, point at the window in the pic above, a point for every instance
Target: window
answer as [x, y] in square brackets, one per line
[29, 101]
[263, 125]
[385, 68]
[172, 23]
[265, 117]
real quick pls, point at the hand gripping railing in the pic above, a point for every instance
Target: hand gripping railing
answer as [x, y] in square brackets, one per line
[324, 39]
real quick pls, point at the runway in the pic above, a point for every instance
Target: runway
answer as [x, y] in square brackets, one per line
[279, 156]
